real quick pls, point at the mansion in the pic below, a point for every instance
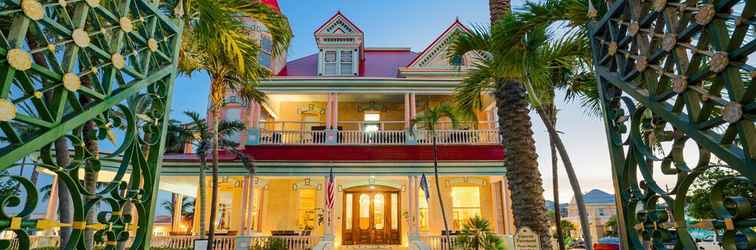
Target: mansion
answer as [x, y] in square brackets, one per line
[346, 109]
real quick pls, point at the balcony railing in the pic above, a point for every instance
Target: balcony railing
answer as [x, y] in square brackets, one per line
[187, 242]
[352, 133]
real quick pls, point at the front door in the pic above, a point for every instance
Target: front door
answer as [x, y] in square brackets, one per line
[371, 216]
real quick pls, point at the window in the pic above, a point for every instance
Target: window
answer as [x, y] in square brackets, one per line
[338, 62]
[422, 205]
[330, 63]
[371, 121]
[346, 62]
[306, 213]
[601, 212]
[465, 204]
[266, 51]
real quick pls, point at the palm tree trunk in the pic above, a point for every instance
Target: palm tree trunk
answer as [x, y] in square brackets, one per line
[65, 204]
[521, 161]
[89, 134]
[582, 212]
[498, 9]
[202, 196]
[555, 182]
[438, 189]
[214, 196]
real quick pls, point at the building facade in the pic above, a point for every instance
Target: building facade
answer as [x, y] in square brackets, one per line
[600, 207]
[347, 109]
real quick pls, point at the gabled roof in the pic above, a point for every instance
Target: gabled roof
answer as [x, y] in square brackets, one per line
[439, 44]
[597, 196]
[336, 17]
[376, 63]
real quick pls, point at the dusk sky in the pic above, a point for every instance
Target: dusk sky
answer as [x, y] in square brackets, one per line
[414, 24]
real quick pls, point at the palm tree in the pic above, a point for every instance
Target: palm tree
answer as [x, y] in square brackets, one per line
[428, 119]
[197, 132]
[217, 41]
[476, 234]
[510, 69]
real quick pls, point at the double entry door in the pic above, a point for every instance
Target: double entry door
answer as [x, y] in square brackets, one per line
[371, 216]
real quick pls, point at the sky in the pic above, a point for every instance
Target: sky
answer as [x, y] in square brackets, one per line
[414, 24]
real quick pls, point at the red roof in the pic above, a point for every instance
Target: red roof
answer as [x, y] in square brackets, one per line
[377, 63]
[273, 4]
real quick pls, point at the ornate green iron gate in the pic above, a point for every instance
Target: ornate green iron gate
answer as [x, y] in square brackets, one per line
[78, 72]
[678, 72]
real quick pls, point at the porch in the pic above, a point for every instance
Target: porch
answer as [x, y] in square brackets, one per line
[354, 118]
[434, 242]
[386, 210]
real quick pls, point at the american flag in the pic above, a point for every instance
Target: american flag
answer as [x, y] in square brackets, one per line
[329, 189]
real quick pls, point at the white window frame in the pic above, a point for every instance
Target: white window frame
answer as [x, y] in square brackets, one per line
[339, 64]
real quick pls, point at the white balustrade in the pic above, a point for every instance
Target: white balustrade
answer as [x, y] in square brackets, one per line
[380, 137]
[438, 242]
[187, 242]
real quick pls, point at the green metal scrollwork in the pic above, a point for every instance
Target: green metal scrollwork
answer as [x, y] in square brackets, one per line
[69, 64]
[678, 72]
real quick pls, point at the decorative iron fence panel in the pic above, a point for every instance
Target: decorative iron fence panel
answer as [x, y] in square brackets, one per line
[676, 72]
[93, 78]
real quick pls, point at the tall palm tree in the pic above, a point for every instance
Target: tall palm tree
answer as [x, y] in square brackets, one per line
[217, 42]
[428, 120]
[197, 132]
[509, 68]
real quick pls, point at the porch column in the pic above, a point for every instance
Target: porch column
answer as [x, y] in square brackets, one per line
[177, 207]
[329, 231]
[414, 214]
[335, 112]
[407, 111]
[413, 106]
[52, 203]
[329, 102]
[245, 190]
[250, 219]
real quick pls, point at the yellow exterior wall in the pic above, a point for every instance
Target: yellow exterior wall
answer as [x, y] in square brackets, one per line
[280, 202]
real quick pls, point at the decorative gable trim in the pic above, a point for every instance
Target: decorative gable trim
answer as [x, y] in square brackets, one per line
[336, 22]
[438, 46]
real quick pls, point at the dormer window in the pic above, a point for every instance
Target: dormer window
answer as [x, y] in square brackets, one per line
[338, 62]
[340, 44]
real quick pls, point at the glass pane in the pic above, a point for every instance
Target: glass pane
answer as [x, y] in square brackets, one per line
[364, 211]
[379, 215]
[330, 56]
[346, 68]
[348, 211]
[394, 211]
[346, 56]
[331, 69]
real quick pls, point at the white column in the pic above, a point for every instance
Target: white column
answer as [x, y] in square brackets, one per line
[251, 206]
[329, 232]
[177, 207]
[413, 206]
[406, 110]
[335, 112]
[329, 110]
[413, 106]
[245, 190]
[52, 203]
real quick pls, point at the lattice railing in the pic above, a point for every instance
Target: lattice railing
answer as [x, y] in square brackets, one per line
[678, 73]
[95, 76]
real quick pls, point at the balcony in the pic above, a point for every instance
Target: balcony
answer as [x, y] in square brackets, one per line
[383, 133]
